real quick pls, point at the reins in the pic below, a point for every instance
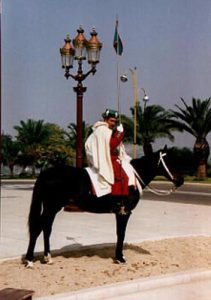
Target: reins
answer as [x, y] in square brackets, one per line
[153, 190]
[164, 165]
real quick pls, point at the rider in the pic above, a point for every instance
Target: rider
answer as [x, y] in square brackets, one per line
[106, 155]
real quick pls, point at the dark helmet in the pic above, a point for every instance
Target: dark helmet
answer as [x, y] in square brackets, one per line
[110, 113]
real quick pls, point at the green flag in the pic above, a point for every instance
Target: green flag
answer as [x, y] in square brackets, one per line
[117, 43]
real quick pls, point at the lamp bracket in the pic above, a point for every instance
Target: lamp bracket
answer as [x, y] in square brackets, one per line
[80, 76]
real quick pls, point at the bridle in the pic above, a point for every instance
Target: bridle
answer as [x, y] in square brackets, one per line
[153, 190]
[161, 160]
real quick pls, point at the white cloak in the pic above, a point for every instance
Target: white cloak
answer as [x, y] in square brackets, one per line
[100, 168]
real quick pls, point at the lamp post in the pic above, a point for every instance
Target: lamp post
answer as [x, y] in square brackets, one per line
[136, 93]
[145, 100]
[135, 102]
[80, 51]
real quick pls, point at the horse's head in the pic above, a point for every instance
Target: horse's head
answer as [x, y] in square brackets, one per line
[168, 167]
[158, 163]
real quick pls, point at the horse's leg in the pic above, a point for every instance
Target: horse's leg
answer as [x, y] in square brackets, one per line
[48, 218]
[33, 235]
[121, 224]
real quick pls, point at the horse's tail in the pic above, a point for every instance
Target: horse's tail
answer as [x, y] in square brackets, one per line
[34, 219]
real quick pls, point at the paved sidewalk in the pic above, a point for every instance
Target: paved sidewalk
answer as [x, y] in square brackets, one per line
[151, 220]
[181, 286]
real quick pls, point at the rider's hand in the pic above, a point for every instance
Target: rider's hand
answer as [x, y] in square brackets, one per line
[120, 128]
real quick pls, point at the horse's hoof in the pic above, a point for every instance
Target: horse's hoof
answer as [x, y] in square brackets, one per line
[120, 260]
[48, 259]
[29, 264]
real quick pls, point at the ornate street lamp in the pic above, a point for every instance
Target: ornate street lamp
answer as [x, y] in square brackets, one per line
[79, 51]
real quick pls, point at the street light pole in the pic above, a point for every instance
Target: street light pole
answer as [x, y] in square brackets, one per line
[144, 135]
[81, 50]
[145, 98]
[136, 94]
[80, 90]
[135, 100]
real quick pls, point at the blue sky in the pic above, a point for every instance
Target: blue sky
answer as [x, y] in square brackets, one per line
[169, 41]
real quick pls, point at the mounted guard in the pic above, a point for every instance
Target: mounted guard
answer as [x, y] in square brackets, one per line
[109, 165]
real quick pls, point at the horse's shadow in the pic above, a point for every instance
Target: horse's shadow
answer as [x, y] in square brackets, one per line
[77, 250]
[105, 250]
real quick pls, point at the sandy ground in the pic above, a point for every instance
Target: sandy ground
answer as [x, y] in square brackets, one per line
[91, 267]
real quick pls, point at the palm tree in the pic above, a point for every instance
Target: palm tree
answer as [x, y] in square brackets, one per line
[196, 120]
[10, 150]
[152, 123]
[72, 134]
[56, 150]
[31, 135]
[128, 128]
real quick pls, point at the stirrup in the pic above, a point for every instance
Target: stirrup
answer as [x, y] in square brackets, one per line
[122, 210]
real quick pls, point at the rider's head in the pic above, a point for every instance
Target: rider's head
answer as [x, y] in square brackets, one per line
[110, 117]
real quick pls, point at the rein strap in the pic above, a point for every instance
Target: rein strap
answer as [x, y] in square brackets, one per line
[164, 165]
[153, 190]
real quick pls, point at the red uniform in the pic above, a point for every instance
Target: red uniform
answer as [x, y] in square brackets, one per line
[120, 186]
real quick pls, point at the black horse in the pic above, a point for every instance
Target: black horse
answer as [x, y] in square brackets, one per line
[60, 186]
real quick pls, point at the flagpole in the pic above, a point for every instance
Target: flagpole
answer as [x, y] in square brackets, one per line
[117, 73]
[117, 43]
[118, 89]
[118, 99]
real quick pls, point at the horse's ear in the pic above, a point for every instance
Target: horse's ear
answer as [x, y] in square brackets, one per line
[165, 149]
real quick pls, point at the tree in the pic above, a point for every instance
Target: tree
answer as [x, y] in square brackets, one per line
[183, 160]
[152, 123]
[196, 120]
[56, 150]
[72, 134]
[10, 150]
[31, 135]
[128, 128]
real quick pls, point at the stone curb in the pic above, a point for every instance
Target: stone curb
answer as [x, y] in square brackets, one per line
[134, 286]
